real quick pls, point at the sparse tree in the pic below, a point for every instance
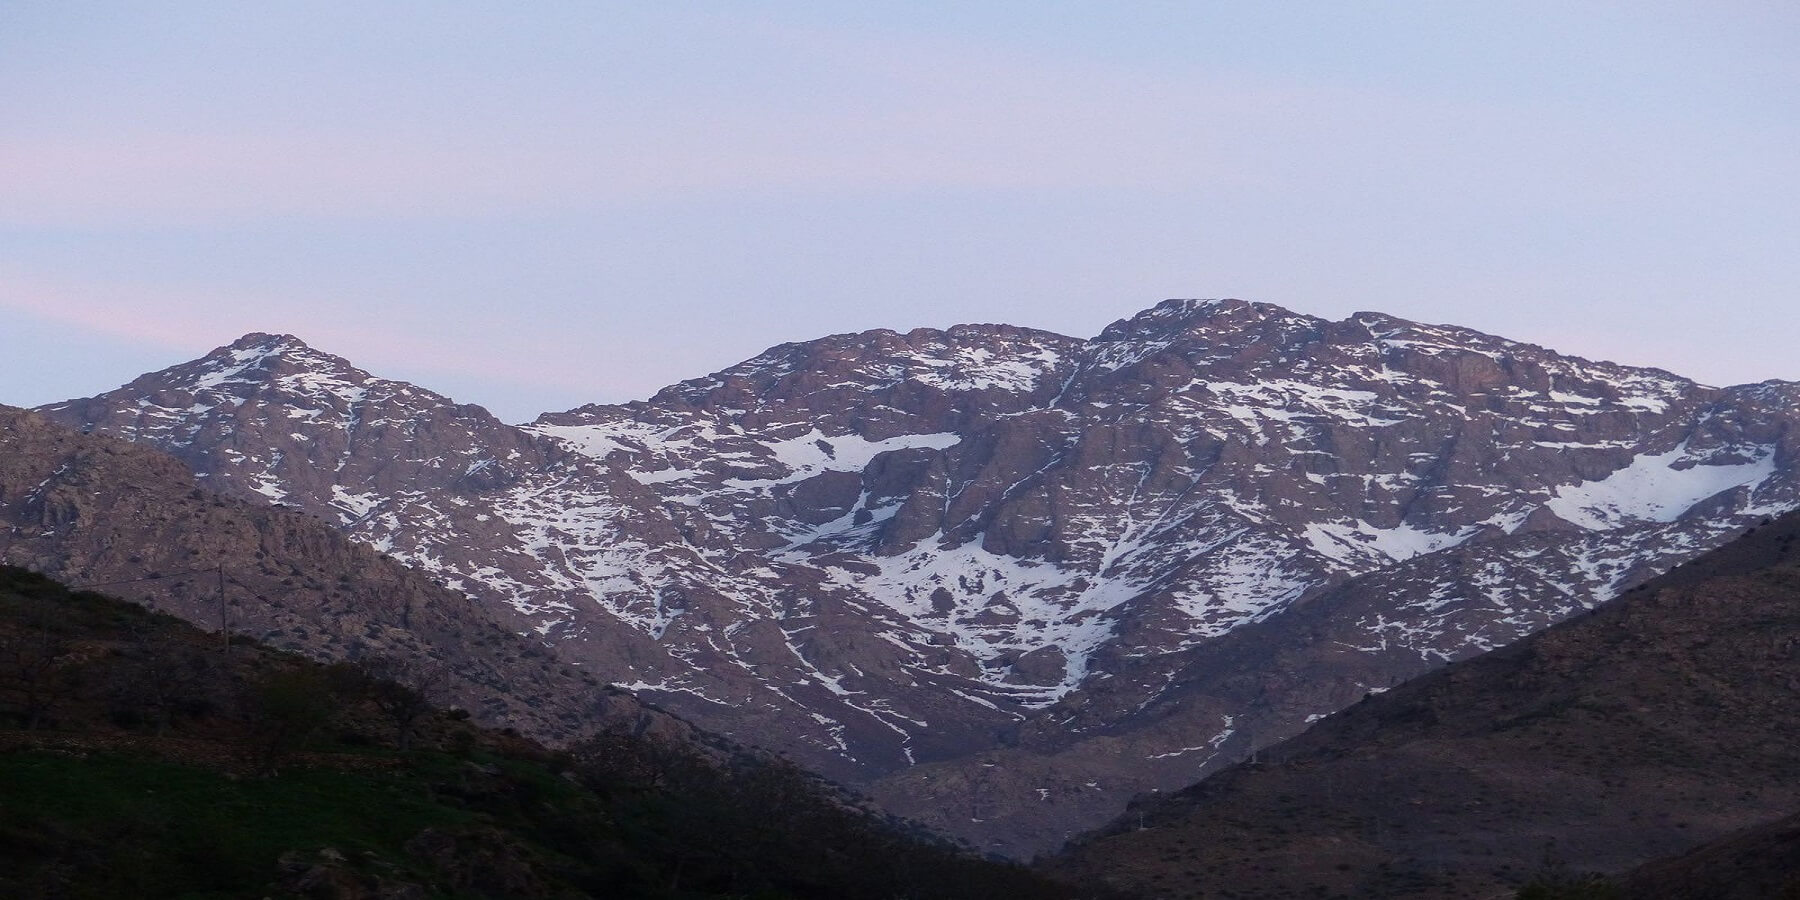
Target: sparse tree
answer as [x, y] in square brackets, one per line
[32, 674]
[159, 676]
[289, 705]
[404, 691]
[1555, 881]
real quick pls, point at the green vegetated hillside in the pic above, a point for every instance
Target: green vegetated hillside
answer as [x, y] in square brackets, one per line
[1664, 720]
[141, 758]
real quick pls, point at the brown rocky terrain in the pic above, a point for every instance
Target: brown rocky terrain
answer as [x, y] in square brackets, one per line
[1002, 578]
[1659, 721]
[97, 511]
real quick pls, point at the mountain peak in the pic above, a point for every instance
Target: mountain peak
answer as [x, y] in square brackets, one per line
[170, 406]
[258, 350]
[1177, 316]
[262, 340]
[259, 362]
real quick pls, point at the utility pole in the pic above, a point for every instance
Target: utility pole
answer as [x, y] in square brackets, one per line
[224, 623]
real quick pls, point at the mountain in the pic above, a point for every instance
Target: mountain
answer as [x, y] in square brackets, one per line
[1006, 579]
[1661, 720]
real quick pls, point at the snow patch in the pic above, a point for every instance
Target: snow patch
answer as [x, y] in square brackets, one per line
[1358, 543]
[1655, 488]
[814, 452]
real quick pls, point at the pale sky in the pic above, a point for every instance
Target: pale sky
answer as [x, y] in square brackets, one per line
[537, 205]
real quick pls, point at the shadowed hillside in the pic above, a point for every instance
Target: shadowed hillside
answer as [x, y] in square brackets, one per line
[1761, 863]
[138, 758]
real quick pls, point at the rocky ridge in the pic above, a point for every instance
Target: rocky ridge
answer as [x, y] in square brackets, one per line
[97, 511]
[1007, 578]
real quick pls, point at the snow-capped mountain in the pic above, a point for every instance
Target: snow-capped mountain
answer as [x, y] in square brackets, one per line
[1006, 578]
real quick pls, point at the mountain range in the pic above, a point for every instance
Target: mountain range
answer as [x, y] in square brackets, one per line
[1004, 579]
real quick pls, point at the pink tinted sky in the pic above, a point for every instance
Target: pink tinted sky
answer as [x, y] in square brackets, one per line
[532, 207]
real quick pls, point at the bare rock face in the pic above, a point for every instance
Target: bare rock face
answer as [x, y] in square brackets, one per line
[990, 561]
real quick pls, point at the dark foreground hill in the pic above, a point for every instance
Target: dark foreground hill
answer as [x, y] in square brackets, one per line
[1761, 863]
[1661, 721]
[140, 758]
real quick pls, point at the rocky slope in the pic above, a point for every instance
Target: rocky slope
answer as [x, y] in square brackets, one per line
[97, 511]
[1660, 721]
[1008, 578]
